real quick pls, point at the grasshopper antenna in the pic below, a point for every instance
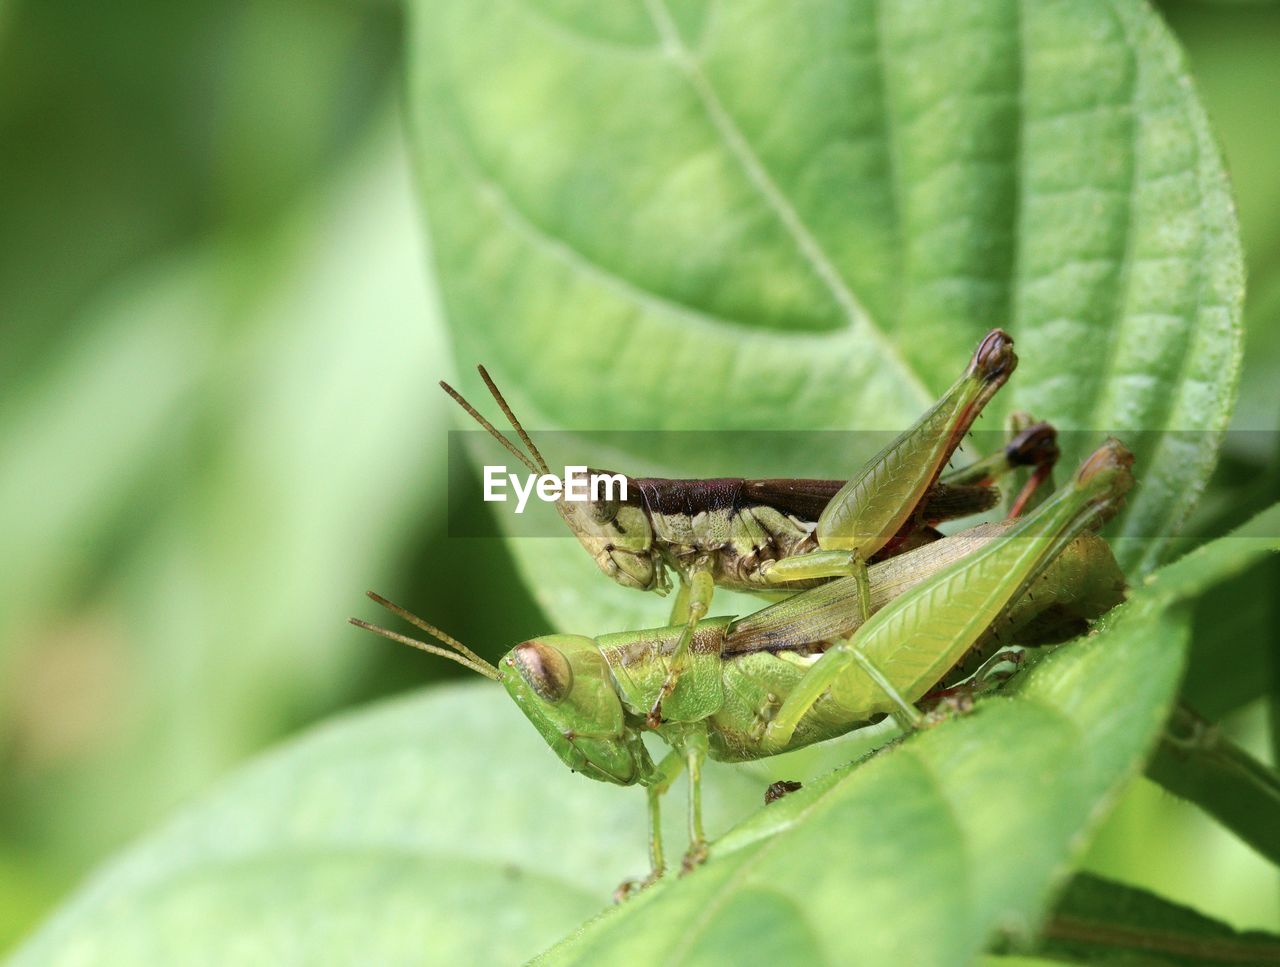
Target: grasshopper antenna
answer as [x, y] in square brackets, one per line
[463, 655]
[493, 430]
[501, 400]
[487, 671]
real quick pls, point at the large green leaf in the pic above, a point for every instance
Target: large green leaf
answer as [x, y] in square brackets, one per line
[441, 827]
[650, 215]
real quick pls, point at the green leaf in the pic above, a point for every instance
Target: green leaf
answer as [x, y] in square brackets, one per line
[1197, 763]
[1250, 544]
[1231, 47]
[1193, 760]
[181, 162]
[674, 216]
[1233, 644]
[351, 844]
[1098, 921]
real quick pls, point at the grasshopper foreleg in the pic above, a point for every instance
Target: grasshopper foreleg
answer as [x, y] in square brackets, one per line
[689, 752]
[667, 771]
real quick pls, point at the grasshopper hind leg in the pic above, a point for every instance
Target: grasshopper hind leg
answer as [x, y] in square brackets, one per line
[904, 713]
[933, 625]
[1032, 444]
[820, 565]
[870, 509]
[835, 662]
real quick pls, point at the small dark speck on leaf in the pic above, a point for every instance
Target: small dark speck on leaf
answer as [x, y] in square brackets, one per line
[779, 789]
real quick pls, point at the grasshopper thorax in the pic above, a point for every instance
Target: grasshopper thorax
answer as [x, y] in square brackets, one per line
[564, 687]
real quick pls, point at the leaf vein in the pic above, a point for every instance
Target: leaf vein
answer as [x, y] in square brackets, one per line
[739, 148]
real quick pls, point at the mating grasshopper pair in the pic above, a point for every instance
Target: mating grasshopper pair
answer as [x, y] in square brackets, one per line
[788, 534]
[875, 639]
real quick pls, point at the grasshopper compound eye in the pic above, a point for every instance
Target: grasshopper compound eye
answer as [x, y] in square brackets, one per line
[545, 669]
[605, 511]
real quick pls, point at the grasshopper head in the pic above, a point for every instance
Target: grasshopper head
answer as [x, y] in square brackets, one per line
[619, 538]
[561, 682]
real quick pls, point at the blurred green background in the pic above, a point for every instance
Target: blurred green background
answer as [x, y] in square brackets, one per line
[219, 420]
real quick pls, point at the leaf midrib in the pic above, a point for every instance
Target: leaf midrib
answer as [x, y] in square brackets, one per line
[736, 144]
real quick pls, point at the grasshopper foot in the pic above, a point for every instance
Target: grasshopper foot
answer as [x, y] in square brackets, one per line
[950, 703]
[695, 857]
[958, 699]
[999, 668]
[629, 888]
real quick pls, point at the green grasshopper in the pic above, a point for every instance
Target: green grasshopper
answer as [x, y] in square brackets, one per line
[811, 667]
[766, 535]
